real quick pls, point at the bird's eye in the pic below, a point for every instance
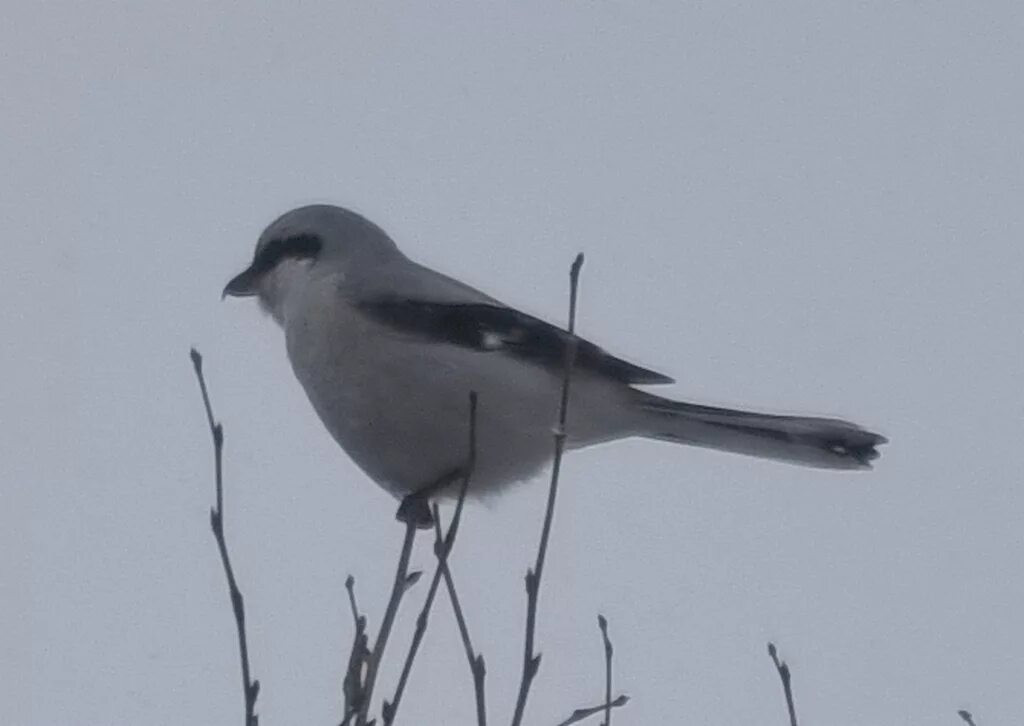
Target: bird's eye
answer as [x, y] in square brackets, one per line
[298, 247]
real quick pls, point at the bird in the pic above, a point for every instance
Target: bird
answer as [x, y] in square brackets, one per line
[390, 353]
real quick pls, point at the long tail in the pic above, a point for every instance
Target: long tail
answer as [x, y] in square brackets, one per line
[820, 442]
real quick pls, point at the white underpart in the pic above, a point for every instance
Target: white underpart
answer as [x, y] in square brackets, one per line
[399, 405]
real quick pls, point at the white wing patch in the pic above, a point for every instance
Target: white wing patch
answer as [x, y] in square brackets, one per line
[491, 340]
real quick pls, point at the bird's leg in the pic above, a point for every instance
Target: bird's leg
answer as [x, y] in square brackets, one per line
[415, 507]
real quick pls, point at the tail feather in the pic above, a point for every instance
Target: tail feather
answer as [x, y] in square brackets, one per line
[819, 442]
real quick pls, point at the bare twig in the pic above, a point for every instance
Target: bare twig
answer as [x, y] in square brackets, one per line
[442, 548]
[581, 713]
[784, 675]
[476, 660]
[401, 584]
[350, 588]
[602, 623]
[352, 685]
[967, 717]
[250, 688]
[531, 661]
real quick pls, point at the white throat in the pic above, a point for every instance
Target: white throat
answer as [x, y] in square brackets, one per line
[281, 288]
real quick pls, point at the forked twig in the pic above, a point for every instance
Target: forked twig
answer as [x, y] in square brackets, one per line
[401, 584]
[352, 685]
[531, 660]
[250, 688]
[581, 713]
[476, 660]
[442, 548]
[784, 675]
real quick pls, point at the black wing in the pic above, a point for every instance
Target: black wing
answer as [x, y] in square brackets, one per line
[493, 328]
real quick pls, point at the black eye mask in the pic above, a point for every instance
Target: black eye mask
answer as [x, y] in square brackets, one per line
[299, 247]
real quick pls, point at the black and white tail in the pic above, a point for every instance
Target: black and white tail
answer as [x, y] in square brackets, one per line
[820, 442]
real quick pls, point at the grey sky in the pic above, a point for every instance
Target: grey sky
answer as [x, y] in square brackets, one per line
[810, 206]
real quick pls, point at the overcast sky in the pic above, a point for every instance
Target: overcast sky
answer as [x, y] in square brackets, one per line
[811, 207]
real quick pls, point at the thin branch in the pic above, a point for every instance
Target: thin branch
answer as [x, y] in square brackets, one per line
[250, 688]
[784, 675]
[401, 584]
[531, 661]
[442, 548]
[967, 717]
[350, 588]
[352, 685]
[602, 623]
[581, 713]
[476, 660]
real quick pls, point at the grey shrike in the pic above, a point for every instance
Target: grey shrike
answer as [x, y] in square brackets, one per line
[389, 351]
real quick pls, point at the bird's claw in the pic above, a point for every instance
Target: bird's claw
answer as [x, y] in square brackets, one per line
[415, 510]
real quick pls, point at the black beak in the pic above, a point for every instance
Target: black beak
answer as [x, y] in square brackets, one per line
[241, 285]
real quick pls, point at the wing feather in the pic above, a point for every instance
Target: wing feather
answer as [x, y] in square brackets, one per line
[490, 328]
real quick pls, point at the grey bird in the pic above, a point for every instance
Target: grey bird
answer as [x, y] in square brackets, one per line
[388, 352]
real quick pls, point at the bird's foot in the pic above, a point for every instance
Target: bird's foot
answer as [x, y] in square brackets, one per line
[415, 510]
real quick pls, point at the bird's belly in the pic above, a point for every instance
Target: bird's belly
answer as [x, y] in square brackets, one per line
[401, 408]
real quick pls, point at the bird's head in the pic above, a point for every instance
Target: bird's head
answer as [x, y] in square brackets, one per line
[305, 244]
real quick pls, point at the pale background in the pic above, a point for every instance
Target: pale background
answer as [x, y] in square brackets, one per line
[813, 207]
